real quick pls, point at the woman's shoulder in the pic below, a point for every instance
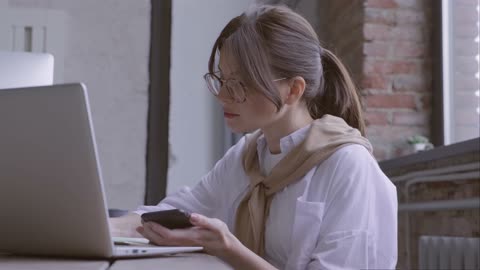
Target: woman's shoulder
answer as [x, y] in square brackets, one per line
[235, 152]
[353, 157]
[348, 167]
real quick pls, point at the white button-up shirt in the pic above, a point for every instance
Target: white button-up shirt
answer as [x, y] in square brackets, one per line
[341, 215]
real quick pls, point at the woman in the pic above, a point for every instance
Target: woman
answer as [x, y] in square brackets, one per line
[303, 190]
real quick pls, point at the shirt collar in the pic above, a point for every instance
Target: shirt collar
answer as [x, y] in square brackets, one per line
[287, 143]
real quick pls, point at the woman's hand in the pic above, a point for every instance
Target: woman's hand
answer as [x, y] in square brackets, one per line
[125, 226]
[210, 233]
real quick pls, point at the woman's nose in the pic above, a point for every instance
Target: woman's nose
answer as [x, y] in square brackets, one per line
[223, 96]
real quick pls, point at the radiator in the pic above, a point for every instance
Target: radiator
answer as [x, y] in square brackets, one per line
[442, 252]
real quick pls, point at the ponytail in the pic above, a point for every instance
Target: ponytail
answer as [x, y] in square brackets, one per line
[337, 93]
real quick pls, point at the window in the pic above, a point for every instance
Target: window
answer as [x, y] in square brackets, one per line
[460, 70]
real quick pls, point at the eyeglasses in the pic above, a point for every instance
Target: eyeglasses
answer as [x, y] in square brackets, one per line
[236, 90]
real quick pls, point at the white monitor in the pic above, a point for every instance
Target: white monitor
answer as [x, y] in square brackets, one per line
[24, 69]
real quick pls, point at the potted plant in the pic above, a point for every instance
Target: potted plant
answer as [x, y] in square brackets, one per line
[419, 143]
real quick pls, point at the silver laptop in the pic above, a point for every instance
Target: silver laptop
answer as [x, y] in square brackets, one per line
[52, 198]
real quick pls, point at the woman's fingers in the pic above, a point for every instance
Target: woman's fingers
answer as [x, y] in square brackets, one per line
[204, 222]
[199, 220]
[159, 229]
[212, 224]
[152, 236]
[161, 235]
[210, 233]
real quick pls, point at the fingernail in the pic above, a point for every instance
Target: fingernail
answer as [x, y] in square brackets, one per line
[194, 217]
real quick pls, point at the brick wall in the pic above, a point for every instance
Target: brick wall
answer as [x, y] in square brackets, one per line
[385, 44]
[396, 81]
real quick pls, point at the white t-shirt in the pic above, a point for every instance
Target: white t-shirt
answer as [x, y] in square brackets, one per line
[341, 215]
[270, 160]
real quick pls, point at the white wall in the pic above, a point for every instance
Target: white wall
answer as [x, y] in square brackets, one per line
[196, 123]
[107, 47]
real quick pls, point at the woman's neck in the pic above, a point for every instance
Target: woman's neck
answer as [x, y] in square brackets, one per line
[284, 126]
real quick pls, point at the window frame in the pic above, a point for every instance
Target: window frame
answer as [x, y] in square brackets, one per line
[442, 95]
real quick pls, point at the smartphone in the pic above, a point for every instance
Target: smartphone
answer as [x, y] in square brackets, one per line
[171, 219]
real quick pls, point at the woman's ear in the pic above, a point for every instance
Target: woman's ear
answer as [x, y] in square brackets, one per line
[297, 88]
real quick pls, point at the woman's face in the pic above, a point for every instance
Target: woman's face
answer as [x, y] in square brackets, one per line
[256, 112]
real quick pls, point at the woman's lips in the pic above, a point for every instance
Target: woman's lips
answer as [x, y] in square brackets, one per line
[230, 115]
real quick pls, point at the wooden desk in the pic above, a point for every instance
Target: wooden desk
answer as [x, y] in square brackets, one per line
[177, 262]
[28, 263]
